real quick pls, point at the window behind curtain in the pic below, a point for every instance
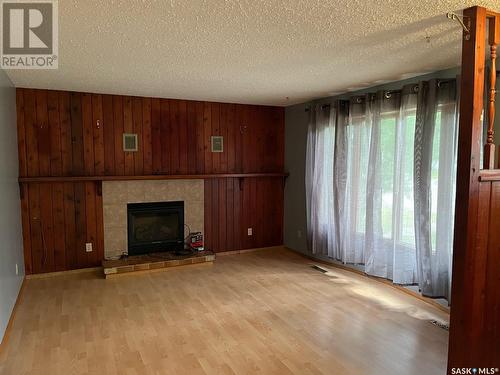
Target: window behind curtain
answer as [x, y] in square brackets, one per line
[364, 203]
[393, 146]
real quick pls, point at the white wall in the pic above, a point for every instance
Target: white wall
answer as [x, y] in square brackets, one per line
[11, 242]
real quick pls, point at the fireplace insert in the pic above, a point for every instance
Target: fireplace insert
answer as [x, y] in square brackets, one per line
[154, 227]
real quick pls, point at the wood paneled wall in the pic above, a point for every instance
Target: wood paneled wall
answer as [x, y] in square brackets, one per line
[58, 220]
[80, 134]
[474, 340]
[233, 205]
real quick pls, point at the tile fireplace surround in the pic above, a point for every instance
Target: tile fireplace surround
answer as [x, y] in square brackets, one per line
[116, 195]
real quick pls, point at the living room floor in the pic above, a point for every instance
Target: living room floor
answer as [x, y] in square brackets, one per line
[264, 312]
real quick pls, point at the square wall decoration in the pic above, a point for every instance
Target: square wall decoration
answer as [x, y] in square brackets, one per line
[129, 142]
[217, 143]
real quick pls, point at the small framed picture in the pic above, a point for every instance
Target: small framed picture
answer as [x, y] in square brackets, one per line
[129, 142]
[217, 143]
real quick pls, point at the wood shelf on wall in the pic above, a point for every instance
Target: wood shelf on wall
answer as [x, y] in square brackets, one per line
[489, 175]
[149, 177]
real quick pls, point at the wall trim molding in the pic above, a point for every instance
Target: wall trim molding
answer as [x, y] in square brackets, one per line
[62, 273]
[150, 177]
[243, 251]
[6, 334]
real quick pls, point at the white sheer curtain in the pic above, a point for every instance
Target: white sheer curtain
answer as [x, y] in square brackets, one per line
[436, 138]
[379, 193]
[319, 180]
[364, 164]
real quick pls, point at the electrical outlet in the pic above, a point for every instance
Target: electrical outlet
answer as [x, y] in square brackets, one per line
[250, 231]
[17, 269]
[88, 247]
[299, 234]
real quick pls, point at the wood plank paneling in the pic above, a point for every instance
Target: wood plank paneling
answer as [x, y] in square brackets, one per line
[182, 140]
[231, 139]
[80, 224]
[165, 135]
[128, 127]
[240, 133]
[200, 143]
[232, 206]
[55, 134]
[64, 134]
[21, 133]
[99, 244]
[208, 220]
[47, 227]
[156, 141]
[224, 131]
[191, 143]
[137, 129]
[222, 211]
[229, 208]
[215, 204]
[91, 227]
[237, 215]
[173, 137]
[108, 134]
[215, 123]
[119, 130]
[66, 137]
[26, 224]
[70, 226]
[207, 132]
[146, 136]
[43, 132]
[88, 135]
[31, 133]
[59, 232]
[98, 134]
[77, 148]
[492, 280]
[35, 228]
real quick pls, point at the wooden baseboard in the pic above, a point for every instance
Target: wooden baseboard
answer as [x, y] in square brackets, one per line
[62, 273]
[243, 251]
[379, 279]
[12, 316]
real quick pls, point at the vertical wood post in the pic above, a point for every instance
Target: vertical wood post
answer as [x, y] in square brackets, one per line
[461, 339]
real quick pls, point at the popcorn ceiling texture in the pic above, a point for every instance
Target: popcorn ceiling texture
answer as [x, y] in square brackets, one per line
[251, 51]
[116, 195]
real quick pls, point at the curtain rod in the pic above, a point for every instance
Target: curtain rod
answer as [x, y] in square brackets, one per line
[322, 107]
[387, 93]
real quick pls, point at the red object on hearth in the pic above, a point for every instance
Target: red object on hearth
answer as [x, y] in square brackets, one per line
[196, 241]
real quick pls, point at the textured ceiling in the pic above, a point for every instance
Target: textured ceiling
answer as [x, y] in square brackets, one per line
[251, 51]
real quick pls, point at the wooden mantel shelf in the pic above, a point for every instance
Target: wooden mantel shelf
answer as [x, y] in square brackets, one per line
[489, 175]
[149, 177]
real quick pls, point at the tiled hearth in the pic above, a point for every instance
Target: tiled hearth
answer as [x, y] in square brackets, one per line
[116, 195]
[154, 261]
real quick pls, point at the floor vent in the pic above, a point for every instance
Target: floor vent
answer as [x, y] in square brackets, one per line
[440, 325]
[318, 268]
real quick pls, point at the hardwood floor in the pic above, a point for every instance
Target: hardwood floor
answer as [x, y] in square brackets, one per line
[264, 312]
